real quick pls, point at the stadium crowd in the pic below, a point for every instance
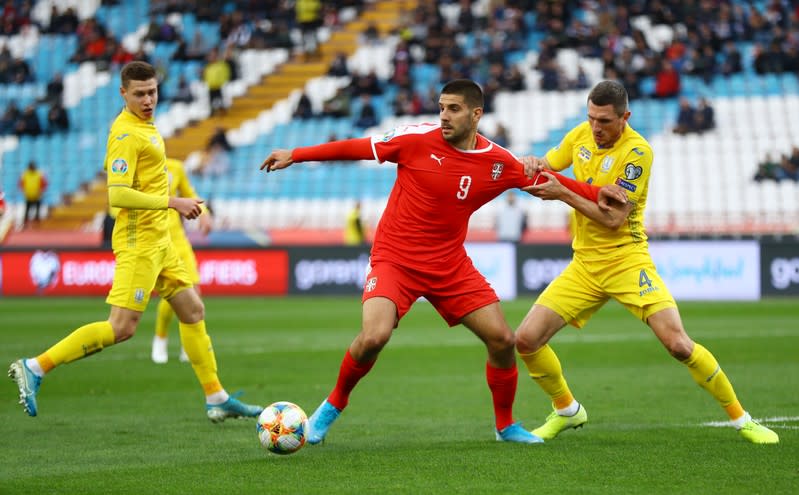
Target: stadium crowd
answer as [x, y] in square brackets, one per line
[480, 40]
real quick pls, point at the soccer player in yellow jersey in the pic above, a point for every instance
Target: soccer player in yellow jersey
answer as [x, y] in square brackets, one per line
[179, 185]
[611, 260]
[145, 256]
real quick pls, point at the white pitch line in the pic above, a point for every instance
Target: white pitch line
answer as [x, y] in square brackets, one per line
[774, 420]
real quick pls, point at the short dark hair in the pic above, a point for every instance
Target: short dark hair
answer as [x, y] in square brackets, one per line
[610, 93]
[136, 71]
[468, 89]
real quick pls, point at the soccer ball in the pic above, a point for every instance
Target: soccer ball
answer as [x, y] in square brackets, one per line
[281, 428]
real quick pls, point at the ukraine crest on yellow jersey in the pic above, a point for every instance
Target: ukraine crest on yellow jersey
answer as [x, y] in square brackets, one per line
[135, 158]
[628, 164]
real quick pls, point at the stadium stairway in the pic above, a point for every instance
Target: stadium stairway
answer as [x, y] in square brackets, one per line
[80, 209]
[386, 15]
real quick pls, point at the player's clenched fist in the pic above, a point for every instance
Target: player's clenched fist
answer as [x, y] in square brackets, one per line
[532, 165]
[276, 160]
[187, 207]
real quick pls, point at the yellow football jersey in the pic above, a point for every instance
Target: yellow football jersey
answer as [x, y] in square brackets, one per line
[179, 185]
[135, 158]
[627, 163]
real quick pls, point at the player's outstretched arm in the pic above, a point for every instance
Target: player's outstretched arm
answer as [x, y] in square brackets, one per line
[345, 150]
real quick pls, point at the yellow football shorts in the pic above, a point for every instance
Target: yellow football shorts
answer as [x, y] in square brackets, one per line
[186, 254]
[140, 271]
[584, 286]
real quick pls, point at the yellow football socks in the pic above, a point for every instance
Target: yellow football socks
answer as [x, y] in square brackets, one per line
[84, 341]
[197, 345]
[706, 372]
[544, 367]
[163, 317]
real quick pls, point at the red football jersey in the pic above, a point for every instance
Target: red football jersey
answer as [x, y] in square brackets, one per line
[437, 189]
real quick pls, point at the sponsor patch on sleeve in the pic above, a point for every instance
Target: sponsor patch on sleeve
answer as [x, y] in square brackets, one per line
[119, 166]
[623, 183]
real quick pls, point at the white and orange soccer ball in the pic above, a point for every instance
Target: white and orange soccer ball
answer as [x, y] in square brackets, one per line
[282, 427]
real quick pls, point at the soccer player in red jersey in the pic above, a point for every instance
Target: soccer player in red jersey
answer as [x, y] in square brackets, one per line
[445, 172]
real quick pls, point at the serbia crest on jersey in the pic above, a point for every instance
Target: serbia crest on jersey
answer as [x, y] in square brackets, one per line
[437, 189]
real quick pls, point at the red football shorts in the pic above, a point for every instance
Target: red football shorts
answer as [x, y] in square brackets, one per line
[454, 292]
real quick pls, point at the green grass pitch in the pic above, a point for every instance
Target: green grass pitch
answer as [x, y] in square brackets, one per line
[420, 422]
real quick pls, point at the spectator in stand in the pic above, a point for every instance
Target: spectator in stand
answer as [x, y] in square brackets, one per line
[330, 18]
[550, 75]
[160, 32]
[118, 55]
[787, 170]
[675, 52]
[430, 102]
[64, 23]
[791, 55]
[57, 118]
[703, 63]
[240, 32]
[705, 116]
[19, 71]
[513, 80]
[667, 81]
[404, 104]
[581, 81]
[338, 105]
[28, 124]
[501, 136]
[731, 63]
[685, 117]
[402, 64]
[33, 184]
[368, 114]
[309, 18]
[766, 60]
[367, 84]
[304, 108]
[767, 169]
[95, 46]
[354, 231]
[2, 203]
[216, 74]
[272, 35]
[5, 57]
[195, 50]
[370, 35]
[633, 84]
[216, 157]
[338, 67]
[183, 92]
[141, 56]
[8, 122]
[55, 90]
